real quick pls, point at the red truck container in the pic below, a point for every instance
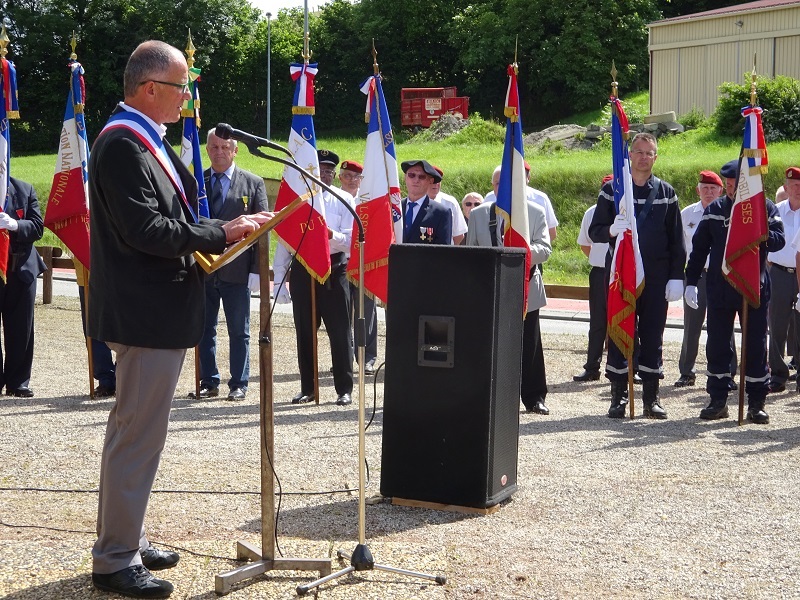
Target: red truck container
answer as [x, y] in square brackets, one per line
[420, 107]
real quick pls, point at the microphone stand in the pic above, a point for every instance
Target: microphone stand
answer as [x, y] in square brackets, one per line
[361, 559]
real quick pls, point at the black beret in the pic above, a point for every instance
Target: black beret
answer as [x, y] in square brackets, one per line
[730, 170]
[426, 166]
[326, 156]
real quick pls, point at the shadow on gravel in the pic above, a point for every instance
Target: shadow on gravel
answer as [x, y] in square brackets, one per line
[73, 587]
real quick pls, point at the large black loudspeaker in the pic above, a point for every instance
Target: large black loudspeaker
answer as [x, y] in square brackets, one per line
[453, 356]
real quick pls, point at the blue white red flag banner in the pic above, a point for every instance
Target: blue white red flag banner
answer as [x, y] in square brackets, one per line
[512, 205]
[380, 213]
[190, 141]
[748, 224]
[68, 205]
[626, 281]
[304, 232]
[9, 109]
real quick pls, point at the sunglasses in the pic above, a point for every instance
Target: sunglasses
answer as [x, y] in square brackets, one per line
[417, 175]
[468, 203]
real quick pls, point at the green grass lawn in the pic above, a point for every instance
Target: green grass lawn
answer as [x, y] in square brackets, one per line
[571, 179]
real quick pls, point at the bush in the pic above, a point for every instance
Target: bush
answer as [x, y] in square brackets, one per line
[780, 99]
[453, 130]
[694, 119]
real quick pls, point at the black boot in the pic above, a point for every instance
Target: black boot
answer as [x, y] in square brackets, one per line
[619, 399]
[652, 408]
[756, 413]
[716, 409]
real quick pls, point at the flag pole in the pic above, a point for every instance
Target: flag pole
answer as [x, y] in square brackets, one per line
[629, 350]
[745, 306]
[190, 50]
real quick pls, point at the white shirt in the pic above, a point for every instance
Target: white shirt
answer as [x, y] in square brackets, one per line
[597, 251]
[537, 197]
[459, 223]
[791, 225]
[691, 216]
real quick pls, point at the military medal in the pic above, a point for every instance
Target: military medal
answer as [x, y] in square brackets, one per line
[426, 234]
[245, 200]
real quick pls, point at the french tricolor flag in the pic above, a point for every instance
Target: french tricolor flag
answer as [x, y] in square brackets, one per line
[68, 205]
[511, 202]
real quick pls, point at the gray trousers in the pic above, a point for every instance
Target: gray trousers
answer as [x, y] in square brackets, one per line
[135, 436]
[783, 321]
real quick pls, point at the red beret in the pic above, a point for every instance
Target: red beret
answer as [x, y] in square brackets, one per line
[608, 178]
[793, 173]
[438, 170]
[351, 165]
[710, 177]
[527, 166]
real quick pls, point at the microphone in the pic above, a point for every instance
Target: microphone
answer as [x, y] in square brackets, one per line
[226, 132]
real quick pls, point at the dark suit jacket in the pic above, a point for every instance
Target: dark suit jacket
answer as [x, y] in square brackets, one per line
[24, 262]
[146, 289]
[430, 215]
[243, 183]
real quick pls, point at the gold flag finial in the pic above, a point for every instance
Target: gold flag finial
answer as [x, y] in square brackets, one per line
[614, 84]
[3, 42]
[73, 43]
[306, 50]
[753, 96]
[190, 50]
[374, 58]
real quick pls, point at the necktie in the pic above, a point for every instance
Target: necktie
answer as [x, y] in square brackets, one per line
[409, 215]
[216, 195]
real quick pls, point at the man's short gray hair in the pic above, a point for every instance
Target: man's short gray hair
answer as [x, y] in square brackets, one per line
[151, 59]
[213, 131]
[648, 137]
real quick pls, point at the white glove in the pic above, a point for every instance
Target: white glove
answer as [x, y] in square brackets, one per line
[6, 222]
[254, 282]
[282, 295]
[619, 225]
[797, 303]
[674, 290]
[690, 295]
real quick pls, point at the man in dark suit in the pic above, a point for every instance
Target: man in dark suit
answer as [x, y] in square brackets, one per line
[232, 192]
[424, 222]
[147, 302]
[22, 222]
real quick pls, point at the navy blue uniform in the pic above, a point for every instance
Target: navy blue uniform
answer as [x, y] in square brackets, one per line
[724, 302]
[663, 257]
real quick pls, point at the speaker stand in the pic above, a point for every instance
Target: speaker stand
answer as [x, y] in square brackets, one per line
[361, 559]
[264, 558]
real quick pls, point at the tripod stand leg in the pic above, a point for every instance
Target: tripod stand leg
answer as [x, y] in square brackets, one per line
[302, 590]
[440, 579]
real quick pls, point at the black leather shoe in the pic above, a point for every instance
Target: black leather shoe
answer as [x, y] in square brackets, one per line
[134, 581]
[758, 416]
[733, 386]
[237, 394]
[636, 379]
[715, 410]
[206, 391]
[303, 398]
[157, 560]
[617, 410]
[369, 368]
[685, 380]
[21, 392]
[102, 391]
[344, 400]
[654, 411]
[776, 387]
[587, 376]
[540, 408]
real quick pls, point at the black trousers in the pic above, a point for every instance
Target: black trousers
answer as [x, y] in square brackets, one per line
[370, 324]
[333, 308]
[598, 318]
[534, 380]
[16, 312]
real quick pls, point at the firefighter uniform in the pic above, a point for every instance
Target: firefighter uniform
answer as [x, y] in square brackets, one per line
[724, 302]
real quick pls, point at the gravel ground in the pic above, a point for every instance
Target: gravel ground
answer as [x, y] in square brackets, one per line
[605, 509]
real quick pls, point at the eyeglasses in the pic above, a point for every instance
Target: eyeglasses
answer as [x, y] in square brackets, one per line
[350, 176]
[648, 154]
[468, 203]
[327, 171]
[417, 175]
[183, 87]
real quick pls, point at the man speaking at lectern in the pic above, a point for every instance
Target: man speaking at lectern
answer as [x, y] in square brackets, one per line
[147, 302]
